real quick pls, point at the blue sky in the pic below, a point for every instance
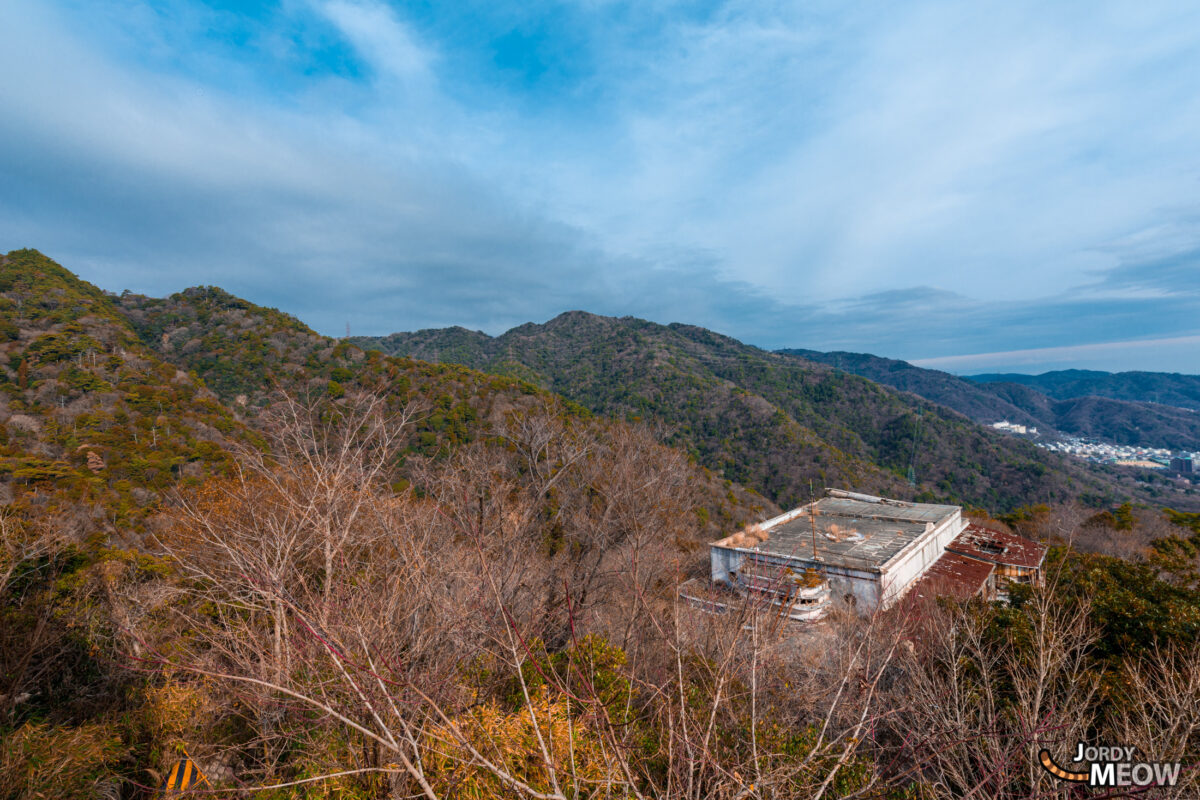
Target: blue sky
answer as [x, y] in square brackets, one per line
[1006, 186]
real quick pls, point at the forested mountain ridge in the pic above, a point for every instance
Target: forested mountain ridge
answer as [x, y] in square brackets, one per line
[108, 403]
[237, 347]
[768, 420]
[962, 395]
[118, 398]
[1054, 403]
[612, 367]
[94, 424]
[1162, 388]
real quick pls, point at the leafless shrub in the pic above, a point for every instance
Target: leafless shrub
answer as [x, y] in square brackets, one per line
[23, 541]
[511, 628]
[1158, 711]
[978, 702]
[30, 636]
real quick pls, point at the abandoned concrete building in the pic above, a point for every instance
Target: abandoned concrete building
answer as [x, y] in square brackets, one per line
[868, 552]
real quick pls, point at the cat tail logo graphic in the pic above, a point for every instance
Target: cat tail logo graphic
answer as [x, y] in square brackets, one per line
[1057, 771]
[1112, 766]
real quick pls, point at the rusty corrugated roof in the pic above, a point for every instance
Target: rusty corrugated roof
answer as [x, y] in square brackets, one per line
[953, 575]
[998, 547]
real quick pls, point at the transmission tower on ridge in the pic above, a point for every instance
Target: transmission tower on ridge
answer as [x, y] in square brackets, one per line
[912, 462]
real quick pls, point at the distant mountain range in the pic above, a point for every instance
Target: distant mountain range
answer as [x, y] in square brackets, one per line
[107, 402]
[1149, 409]
[777, 422]
[1160, 388]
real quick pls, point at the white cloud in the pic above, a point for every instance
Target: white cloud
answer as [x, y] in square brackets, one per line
[753, 169]
[989, 149]
[386, 42]
[1147, 355]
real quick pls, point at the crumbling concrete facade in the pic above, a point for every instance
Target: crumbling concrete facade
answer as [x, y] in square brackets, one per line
[870, 551]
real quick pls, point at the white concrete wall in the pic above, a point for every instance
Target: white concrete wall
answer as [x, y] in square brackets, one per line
[856, 588]
[722, 561]
[867, 588]
[912, 562]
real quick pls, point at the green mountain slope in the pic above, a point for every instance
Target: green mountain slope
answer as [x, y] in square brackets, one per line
[249, 353]
[1164, 388]
[94, 423]
[1123, 421]
[769, 421]
[238, 348]
[111, 400]
[964, 396]
[626, 368]
[107, 402]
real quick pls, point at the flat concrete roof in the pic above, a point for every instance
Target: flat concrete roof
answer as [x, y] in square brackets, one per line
[852, 532]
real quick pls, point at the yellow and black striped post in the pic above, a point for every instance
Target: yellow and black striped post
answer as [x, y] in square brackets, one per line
[183, 776]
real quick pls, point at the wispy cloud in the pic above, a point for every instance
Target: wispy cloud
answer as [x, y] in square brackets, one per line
[381, 38]
[920, 180]
[1146, 355]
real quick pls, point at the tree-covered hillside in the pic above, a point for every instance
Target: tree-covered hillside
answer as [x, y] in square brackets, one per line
[771, 421]
[94, 423]
[1133, 408]
[1163, 388]
[109, 402]
[964, 396]
[249, 354]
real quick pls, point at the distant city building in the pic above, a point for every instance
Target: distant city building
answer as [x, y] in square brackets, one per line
[1012, 427]
[1105, 453]
[1182, 463]
[1138, 462]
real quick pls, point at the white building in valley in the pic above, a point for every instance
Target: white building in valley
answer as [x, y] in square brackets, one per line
[867, 552]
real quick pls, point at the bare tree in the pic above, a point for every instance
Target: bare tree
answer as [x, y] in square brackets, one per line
[1159, 712]
[508, 627]
[305, 549]
[982, 700]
